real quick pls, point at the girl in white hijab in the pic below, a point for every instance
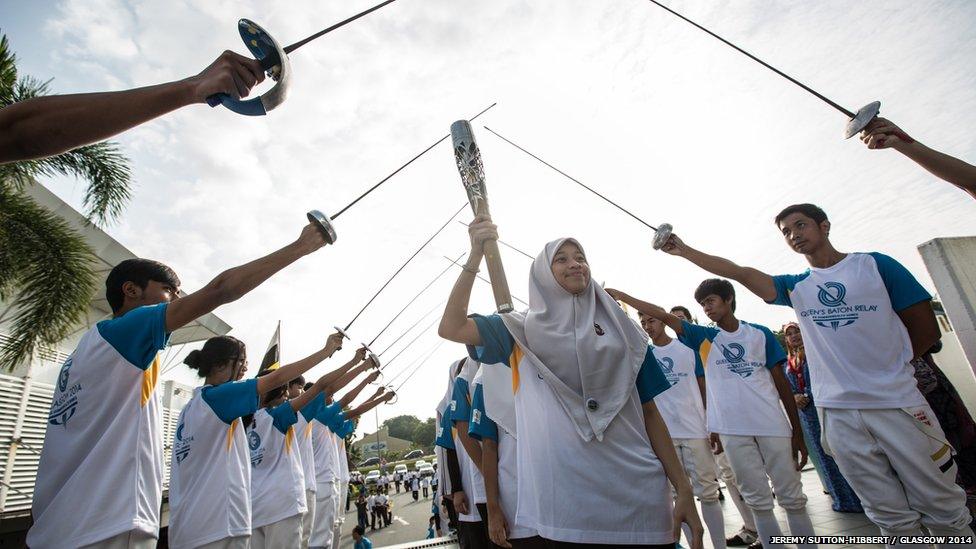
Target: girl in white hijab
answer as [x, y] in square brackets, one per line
[594, 456]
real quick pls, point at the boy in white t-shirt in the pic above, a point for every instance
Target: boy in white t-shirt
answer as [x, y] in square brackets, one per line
[864, 318]
[106, 416]
[745, 387]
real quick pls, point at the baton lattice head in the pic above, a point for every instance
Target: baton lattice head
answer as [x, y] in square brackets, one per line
[467, 156]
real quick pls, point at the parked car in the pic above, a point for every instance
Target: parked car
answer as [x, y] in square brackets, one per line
[370, 461]
[372, 476]
[420, 463]
[401, 469]
[413, 454]
[426, 471]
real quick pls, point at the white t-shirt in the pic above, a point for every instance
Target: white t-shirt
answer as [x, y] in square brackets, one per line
[424, 482]
[858, 350]
[742, 398]
[324, 451]
[277, 477]
[101, 468]
[303, 433]
[210, 478]
[370, 502]
[414, 484]
[681, 406]
[460, 410]
[343, 459]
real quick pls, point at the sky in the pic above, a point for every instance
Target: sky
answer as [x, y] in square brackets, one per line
[620, 94]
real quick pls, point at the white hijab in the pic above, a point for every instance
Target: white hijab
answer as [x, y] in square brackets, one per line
[561, 334]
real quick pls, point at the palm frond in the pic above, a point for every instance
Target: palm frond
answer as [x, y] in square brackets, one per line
[105, 169]
[8, 71]
[50, 267]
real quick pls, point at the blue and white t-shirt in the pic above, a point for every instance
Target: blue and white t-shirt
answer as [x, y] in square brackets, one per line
[277, 477]
[101, 469]
[303, 432]
[210, 478]
[681, 406]
[460, 410]
[445, 431]
[857, 347]
[562, 478]
[324, 451]
[742, 397]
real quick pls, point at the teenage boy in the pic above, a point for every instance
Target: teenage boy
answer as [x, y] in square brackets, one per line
[683, 409]
[469, 458]
[747, 535]
[106, 415]
[745, 386]
[864, 317]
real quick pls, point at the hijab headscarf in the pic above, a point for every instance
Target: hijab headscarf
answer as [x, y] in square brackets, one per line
[586, 348]
[796, 358]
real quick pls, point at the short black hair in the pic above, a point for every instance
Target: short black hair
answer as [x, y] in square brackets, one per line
[717, 286]
[683, 309]
[216, 351]
[359, 530]
[812, 211]
[139, 272]
[300, 380]
[308, 385]
[273, 394]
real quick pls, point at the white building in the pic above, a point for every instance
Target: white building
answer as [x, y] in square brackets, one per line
[25, 393]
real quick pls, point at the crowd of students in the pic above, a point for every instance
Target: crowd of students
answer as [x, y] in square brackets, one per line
[547, 402]
[553, 399]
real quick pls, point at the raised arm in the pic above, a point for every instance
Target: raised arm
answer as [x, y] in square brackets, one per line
[346, 378]
[368, 405]
[232, 284]
[883, 134]
[347, 399]
[754, 280]
[649, 309]
[455, 324]
[50, 125]
[307, 396]
[286, 373]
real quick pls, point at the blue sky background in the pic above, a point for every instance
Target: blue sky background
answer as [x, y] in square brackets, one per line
[620, 94]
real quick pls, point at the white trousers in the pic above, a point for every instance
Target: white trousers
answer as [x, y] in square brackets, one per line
[133, 539]
[236, 542]
[901, 467]
[340, 513]
[284, 533]
[757, 461]
[697, 459]
[308, 518]
[326, 499]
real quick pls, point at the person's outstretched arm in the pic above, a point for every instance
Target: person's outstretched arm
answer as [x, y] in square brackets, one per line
[345, 379]
[347, 399]
[649, 309]
[755, 280]
[286, 373]
[367, 406]
[308, 396]
[232, 284]
[883, 134]
[54, 124]
[455, 324]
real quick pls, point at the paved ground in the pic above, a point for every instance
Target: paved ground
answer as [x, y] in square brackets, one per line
[410, 519]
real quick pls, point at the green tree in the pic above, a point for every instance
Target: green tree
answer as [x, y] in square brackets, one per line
[402, 427]
[46, 268]
[423, 434]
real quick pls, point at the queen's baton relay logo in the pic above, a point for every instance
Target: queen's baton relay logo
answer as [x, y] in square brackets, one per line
[476, 416]
[181, 444]
[257, 453]
[667, 366]
[734, 357]
[65, 402]
[837, 312]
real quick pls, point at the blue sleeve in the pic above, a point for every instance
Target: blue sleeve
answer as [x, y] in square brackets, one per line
[283, 417]
[326, 413]
[138, 334]
[481, 426]
[903, 289]
[233, 399]
[496, 343]
[460, 407]
[693, 335]
[650, 379]
[784, 285]
[347, 428]
[337, 421]
[699, 367]
[312, 408]
[775, 355]
[445, 438]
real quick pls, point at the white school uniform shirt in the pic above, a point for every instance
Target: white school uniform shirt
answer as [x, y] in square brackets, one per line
[424, 482]
[324, 451]
[344, 475]
[414, 484]
[858, 349]
[303, 433]
[742, 398]
[484, 426]
[370, 502]
[681, 406]
[562, 478]
[277, 475]
[460, 410]
[101, 467]
[210, 475]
